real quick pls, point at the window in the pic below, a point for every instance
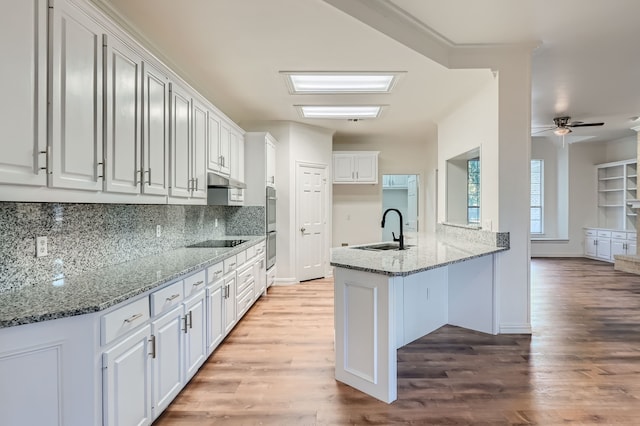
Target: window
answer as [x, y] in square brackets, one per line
[537, 173]
[473, 191]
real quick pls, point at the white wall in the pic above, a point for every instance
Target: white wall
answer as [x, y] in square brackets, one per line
[295, 143]
[473, 125]
[357, 209]
[582, 195]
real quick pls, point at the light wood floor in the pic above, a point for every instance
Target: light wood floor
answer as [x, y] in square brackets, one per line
[580, 366]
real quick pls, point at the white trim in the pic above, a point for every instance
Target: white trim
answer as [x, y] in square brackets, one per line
[515, 329]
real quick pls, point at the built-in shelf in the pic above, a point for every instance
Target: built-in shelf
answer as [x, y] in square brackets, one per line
[612, 178]
[611, 190]
[632, 214]
[616, 192]
[632, 176]
[610, 205]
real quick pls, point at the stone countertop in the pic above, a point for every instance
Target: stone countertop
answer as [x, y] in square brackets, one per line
[103, 288]
[426, 251]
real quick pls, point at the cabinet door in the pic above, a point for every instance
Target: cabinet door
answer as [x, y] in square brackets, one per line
[123, 167]
[343, 165]
[155, 150]
[235, 155]
[261, 277]
[603, 248]
[214, 157]
[632, 248]
[127, 381]
[23, 114]
[271, 163]
[618, 247]
[168, 333]
[229, 302]
[180, 141]
[196, 336]
[590, 246]
[215, 313]
[366, 168]
[225, 148]
[198, 150]
[76, 158]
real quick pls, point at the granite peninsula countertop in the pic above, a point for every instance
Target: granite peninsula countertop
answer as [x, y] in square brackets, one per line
[98, 290]
[426, 251]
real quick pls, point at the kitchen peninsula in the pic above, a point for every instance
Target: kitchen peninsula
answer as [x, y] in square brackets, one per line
[385, 299]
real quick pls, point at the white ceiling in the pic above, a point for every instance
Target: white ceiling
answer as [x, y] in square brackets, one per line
[232, 51]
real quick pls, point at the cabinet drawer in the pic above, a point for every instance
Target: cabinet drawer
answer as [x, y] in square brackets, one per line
[244, 302]
[619, 235]
[250, 252]
[230, 264]
[632, 236]
[590, 232]
[215, 272]
[194, 283]
[241, 257]
[260, 248]
[124, 319]
[245, 278]
[165, 299]
[604, 234]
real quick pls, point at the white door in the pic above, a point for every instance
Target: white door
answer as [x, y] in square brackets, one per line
[167, 361]
[271, 163]
[590, 246]
[155, 109]
[76, 156]
[310, 184]
[23, 112]
[214, 158]
[343, 165]
[229, 302]
[366, 168]
[127, 381]
[215, 311]
[225, 148]
[412, 204]
[618, 247]
[180, 140]
[123, 99]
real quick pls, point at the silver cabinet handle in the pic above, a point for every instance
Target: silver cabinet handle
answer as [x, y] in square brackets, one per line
[102, 175]
[152, 340]
[186, 330]
[173, 297]
[303, 229]
[149, 177]
[196, 284]
[46, 158]
[132, 318]
[190, 319]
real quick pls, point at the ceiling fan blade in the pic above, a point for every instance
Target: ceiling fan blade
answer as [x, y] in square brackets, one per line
[536, 131]
[580, 124]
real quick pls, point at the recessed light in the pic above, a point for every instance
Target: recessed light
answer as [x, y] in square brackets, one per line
[340, 82]
[340, 111]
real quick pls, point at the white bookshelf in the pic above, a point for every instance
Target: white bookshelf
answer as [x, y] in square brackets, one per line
[617, 183]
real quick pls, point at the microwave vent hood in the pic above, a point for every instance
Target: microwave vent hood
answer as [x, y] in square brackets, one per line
[217, 181]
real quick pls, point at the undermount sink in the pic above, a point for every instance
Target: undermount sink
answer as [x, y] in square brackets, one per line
[381, 246]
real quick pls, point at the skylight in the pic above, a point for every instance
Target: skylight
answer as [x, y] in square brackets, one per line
[334, 82]
[340, 112]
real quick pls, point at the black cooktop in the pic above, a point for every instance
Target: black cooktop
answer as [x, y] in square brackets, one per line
[217, 243]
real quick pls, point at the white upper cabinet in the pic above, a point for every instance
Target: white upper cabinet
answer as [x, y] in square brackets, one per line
[75, 157]
[23, 112]
[271, 162]
[123, 72]
[355, 167]
[180, 140]
[155, 112]
[218, 148]
[198, 150]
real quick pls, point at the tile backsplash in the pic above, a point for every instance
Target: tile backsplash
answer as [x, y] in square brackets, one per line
[84, 237]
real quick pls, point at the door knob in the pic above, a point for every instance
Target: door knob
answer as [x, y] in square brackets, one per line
[303, 229]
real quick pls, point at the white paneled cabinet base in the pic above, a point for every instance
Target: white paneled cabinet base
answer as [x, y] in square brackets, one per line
[604, 244]
[105, 137]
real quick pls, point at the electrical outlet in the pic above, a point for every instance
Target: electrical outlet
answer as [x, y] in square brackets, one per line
[158, 231]
[41, 247]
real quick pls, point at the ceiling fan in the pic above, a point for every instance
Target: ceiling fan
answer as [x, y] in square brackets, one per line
[563, 125]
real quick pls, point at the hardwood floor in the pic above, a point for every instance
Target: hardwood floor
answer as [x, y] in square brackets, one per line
[581, 365]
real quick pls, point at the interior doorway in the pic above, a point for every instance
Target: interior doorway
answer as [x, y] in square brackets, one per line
[400, 192]
[310, 220]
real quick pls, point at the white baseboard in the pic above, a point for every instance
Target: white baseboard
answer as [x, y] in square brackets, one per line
[515, 329]
[285, 281]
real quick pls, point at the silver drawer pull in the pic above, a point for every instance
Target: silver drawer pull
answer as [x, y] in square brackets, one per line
[217, 273]
[232, 265]
[198, 283]
[173, 297]
[132, 318]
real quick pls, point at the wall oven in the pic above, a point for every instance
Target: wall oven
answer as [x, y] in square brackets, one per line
[270, 204]
[271, 249]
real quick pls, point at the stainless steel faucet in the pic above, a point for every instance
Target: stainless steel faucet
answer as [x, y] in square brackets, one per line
[400, 238]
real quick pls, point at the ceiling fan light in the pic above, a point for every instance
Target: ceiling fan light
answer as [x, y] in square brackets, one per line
[561, 131]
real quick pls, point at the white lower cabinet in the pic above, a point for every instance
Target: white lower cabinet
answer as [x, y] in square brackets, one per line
[229, 301]
[605, 244]
[127, 380]
[195, 334]
[167, 362]
[260, 271]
